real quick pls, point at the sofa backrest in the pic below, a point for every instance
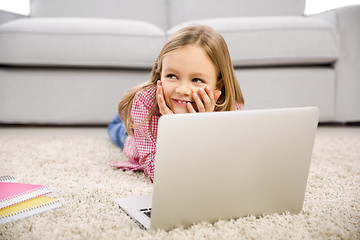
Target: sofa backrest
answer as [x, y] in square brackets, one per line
[186, 10]
[153, 11]
[165, 13]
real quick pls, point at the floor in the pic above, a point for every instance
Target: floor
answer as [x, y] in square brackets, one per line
[323, 129]
[53, 130]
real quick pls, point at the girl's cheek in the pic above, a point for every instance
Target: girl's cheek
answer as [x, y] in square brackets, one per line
[166, 87]
[166, 92]
[197, 90]
[212, 91]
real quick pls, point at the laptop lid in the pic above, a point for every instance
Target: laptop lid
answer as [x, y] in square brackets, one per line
[225, 165]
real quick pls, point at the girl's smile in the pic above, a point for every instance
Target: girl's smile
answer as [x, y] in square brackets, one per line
[185, 72]
[181, 102]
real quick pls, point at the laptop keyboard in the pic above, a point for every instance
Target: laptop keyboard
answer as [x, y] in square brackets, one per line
[146, 211]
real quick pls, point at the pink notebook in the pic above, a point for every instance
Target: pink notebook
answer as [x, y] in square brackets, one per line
[14, 193]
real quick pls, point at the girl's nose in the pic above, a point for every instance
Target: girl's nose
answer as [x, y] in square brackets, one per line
[184, 89]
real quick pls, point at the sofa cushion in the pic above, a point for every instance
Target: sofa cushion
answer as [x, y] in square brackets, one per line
[186, 10]
[275, 40]
[80, 42]
[153, 11]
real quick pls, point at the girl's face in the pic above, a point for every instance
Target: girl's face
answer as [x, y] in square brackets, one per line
[184, 72]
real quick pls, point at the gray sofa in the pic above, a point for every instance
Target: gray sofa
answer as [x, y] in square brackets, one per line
[71, 61]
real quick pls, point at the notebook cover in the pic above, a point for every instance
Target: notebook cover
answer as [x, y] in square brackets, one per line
[14, 193]
[28, 208]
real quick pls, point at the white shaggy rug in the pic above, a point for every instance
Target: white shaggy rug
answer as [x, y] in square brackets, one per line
[77, 169]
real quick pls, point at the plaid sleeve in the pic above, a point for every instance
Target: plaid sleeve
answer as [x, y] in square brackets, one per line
[145, 140]
[140, 149]
[238, 107]
[148, 164]
[130, 151]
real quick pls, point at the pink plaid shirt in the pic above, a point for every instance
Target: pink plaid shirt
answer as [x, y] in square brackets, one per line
[140, 149]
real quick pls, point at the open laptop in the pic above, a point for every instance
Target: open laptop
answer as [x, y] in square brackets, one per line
[225, 165]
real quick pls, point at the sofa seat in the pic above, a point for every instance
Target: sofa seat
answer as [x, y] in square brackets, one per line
[265, 41]
[80, 42]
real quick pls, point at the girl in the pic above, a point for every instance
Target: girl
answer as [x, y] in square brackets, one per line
[193, 73]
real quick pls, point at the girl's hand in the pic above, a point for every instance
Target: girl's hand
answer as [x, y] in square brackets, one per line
[205, 100]
[163, 108]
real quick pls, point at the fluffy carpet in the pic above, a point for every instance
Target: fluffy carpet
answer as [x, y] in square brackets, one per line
[77, 170]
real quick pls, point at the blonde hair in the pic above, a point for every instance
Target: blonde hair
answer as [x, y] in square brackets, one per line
[215, 47]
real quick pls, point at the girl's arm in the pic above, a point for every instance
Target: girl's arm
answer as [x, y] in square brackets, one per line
[148, 163]
[144, 138]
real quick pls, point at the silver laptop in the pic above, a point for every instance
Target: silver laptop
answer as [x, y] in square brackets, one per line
[225, 165]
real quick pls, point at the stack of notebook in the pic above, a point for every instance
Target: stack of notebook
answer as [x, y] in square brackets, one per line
[20, 200]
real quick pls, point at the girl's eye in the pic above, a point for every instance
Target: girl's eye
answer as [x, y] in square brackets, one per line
[197, 80]
[172, 76]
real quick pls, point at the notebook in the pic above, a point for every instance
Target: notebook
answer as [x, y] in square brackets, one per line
[14, 193]
[226, 165]
[28, 208]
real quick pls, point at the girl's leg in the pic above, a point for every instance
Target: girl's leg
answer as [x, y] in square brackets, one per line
[117, 132]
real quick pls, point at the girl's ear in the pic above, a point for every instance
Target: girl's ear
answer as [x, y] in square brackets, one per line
[219, 84]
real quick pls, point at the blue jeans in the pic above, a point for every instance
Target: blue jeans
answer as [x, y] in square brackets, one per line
[117, 132]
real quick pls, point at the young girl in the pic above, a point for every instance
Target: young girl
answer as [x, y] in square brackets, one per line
[193, 73]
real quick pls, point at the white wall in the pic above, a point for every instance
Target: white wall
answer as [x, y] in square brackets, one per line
[316, 6]
[16, 6]
[312, 6]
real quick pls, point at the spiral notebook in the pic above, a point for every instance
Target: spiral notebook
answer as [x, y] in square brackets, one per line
[8, 178]
[28, 208]
[14, 193]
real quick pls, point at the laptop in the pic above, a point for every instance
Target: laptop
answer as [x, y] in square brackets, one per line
[227, 165]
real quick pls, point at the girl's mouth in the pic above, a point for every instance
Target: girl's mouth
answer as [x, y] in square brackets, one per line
[181, 102]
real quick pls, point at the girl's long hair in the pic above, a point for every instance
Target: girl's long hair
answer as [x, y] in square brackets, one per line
[215, 46]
